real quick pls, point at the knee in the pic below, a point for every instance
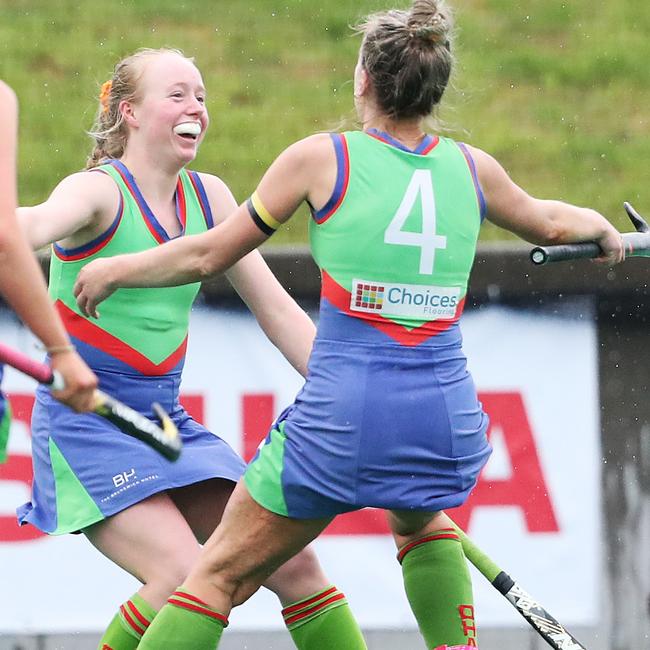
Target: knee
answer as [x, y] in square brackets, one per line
[299, 577]
[165, 576]
[407, 526]
[230, 583]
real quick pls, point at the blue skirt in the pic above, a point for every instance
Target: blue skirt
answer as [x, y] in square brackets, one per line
[86, 469]
[375, 425]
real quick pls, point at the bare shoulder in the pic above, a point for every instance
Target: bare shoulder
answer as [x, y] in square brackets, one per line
[480, 157]
[307, 157]
[313, 147]
[93, 192]
[221, 199]
[89, 182]
[487, 167]
[213, 183]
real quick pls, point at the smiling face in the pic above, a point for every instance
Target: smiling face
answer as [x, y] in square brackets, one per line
[168, 117]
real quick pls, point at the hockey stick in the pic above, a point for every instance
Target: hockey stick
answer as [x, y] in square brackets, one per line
[544, 624]
[637, 244]
[164, 438]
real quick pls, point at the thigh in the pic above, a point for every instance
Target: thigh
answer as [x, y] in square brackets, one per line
[151, 540]
[248, 546]
[202, 505]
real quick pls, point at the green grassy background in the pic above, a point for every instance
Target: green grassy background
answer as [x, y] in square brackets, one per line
[557, 91]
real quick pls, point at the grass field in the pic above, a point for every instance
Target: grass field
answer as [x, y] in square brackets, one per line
[557, 91]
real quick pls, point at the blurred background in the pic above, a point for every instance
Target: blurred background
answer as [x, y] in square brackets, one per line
[559, 93]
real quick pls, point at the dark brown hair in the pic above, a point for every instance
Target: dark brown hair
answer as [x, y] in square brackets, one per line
[407, 56]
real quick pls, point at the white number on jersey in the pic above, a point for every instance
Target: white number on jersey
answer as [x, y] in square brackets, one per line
[421, 185]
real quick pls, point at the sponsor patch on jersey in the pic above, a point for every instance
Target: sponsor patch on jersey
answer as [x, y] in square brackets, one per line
[424, 302]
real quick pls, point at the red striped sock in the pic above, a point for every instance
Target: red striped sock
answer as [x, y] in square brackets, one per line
[134, 618]
[443, 533]
[184, 600]
[323, 621]
[128, 625]
[309, 608]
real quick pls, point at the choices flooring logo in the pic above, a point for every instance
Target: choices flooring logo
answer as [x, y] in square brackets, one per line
[369, 296]
[423, 302]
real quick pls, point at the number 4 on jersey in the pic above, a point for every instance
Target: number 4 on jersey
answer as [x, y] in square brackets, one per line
[427, 240]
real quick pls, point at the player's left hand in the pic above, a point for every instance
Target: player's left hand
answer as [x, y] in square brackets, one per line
[93, 285]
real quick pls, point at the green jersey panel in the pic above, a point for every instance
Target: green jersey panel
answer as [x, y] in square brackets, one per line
[151, 321]
[405, 231]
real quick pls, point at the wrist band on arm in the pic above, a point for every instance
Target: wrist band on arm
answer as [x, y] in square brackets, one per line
[261, 216]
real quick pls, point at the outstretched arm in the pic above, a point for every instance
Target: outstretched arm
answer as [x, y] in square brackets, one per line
[283, 321]
[21, 279]
[285, 185]
[542, 221]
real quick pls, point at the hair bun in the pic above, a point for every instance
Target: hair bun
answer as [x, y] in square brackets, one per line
[430, 20]
[429, 33]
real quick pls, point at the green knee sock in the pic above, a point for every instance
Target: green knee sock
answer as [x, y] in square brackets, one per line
[128, 626]
[184, 623]
[323, 622]
[439, 589]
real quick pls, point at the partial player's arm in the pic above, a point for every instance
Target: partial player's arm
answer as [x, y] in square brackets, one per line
[542, 221]
[285, 185]
[21, 279]
[280, 317]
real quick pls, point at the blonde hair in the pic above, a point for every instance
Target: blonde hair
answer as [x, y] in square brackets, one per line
[109, 130]
[407, 56]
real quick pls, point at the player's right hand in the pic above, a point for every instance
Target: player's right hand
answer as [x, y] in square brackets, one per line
[80, 381]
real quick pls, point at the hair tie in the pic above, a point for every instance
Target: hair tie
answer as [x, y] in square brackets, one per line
[429, 33]
[105, 94]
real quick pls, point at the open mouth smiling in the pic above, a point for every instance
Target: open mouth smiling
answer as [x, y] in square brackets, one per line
[188, 130]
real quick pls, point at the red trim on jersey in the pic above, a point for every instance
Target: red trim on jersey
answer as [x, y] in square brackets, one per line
[431, 147]
[89, 333]
[142, 208]
[378, 136]
[393, 142]
[182, 207]
[202, 197]
[346, 181]
[340, 298]
[312, 610]
[80, 252]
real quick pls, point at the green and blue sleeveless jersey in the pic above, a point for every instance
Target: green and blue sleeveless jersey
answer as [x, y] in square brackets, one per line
[139, 329]
[396, 242]
[388, 416]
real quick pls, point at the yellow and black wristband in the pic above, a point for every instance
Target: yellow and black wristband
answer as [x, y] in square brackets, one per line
[261, 216]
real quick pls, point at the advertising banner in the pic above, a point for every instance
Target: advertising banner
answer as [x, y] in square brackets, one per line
[535, 510]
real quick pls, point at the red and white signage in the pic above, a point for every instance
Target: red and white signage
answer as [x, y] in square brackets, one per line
[535, 509]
